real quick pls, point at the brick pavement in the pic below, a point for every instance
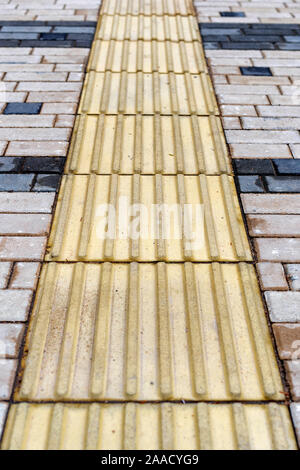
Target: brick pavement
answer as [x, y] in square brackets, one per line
[254, 60]
[44, 48]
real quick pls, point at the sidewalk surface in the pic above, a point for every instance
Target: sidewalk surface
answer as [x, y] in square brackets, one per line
[151, 342]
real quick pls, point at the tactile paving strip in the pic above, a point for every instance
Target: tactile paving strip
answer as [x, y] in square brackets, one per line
[79, 227]
[160, 93]
[148, 145]
[145, 331]
[147, 57]
[126, 427]
[148, 7]
[148, 28]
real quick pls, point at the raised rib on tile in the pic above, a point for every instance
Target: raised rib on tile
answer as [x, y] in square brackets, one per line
[65, 192]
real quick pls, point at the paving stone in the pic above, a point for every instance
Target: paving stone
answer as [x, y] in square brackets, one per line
[65, 120]
[278, 111]
[15, 305]
[283, 306]
[286, 250]
[3, 146]
[74, 29]
[9, 43]
[8, 369]
[37, 148]
[272, 123]
[231, 123]
[11, 336]
[287, 336]
[284, 100]
[18, 35]
[254, 167]
[295, 150]
[47, 183]
[15, 182]
[256, 71]
[274, 225]
[263, 137]
[291, 167]
[213, 38]
[237, 110]
[10, 164]
[38, 76]
[22, 108]
[283, 184]
[5, 269]
[53, 37]
[293, 275]
[80, 37]
[38, 43]
[22, 248]
[24, 275]
[26, 202]
[248, 46]
[24, 224]
[3, 411]
[257, 80]
[271, 276]
[43, 164]
[217, 30]
[55, 96]
[271, 203]
[49, 86]
[26, 29]
[285, 46]
[242, 90]
[292, 38]
[239, 14]
[25, 121]
[243, 99]
[250, 184]
[34, 134]
[59, 108]
[259, 38]
[293, 375]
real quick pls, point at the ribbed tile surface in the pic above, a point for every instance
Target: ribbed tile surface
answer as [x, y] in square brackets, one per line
[148, 28]
[147, 57]
[147, 7]
[126, 427]
[149, 332]
[148, 145]
[79, 228]
[161, 93]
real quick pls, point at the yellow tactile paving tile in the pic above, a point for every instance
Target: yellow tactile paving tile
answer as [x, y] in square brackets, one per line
[156, 93]
[149, 331]
[199, 219]
[147, 7]
[126, 427]
[147, 57]
[148, 144]
[148, 28]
